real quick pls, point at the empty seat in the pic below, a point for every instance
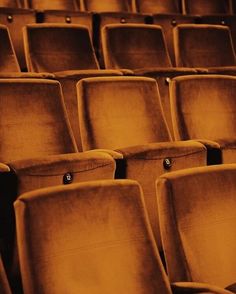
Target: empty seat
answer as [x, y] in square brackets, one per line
[107, 5]
[197, 216]
[52, 4]
[203, 107]
[67, 51]
[68, 259]
[107, 223]
[205, 46]
[37, 150]
[158, 6]
[124, 114]
[204, 7]
[141, 48]
[168, 22]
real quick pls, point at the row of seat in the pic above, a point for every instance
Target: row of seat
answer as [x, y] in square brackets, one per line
[16, 19]
[121, 118]
[200, 7]
[103, 242]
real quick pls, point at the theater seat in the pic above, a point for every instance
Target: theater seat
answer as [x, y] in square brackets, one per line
[206, 7]
[10, 3]
[205, 46]
[203, 107]
[141, 48]
[197, 217]
[37, 150]
[67, 51]
[158, 6]
[124, 114]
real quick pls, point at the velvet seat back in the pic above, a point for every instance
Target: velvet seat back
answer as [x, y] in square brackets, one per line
[52, 4]
[8, 60]
[203, 46]
[204, 107]
[134, 46]
[157, 6]
[206, 7]
[120, 112]
[33, 120]
[107, 5]
[102, 244]
[58, 47]
[197, 216]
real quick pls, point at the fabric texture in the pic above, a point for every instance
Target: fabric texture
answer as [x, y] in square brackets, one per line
[107, 5]
[157, 6]
[74, 256]
[206, 7]
[208, 113]
[197, 217]
[52, 4]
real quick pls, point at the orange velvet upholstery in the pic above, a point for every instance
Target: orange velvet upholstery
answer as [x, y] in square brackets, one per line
[52, 4]
[107, 5]
[203, 107]
[141, 48]
[208, 46]
[103, 245]
[197, 217]
[168, 22]
[157, 6]
[58, 47]
[204, 7]
[15, 19]
[38, 146]
[124, 114]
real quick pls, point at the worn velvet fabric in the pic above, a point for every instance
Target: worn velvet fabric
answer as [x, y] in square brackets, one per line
[20, 17]
[58, 47]
[197, 216]
[157, 6]
[107, 5]
[8, 60]
[206, 7]
[203, 46]
[125, 114]
[207, 113]
[103, 243]
[118, 112]
[33, 120]
[168, 22]
[52, 4]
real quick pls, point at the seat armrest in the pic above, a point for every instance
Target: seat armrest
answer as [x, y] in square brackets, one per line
[160, 150]
[112, 153]
[192, 287]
